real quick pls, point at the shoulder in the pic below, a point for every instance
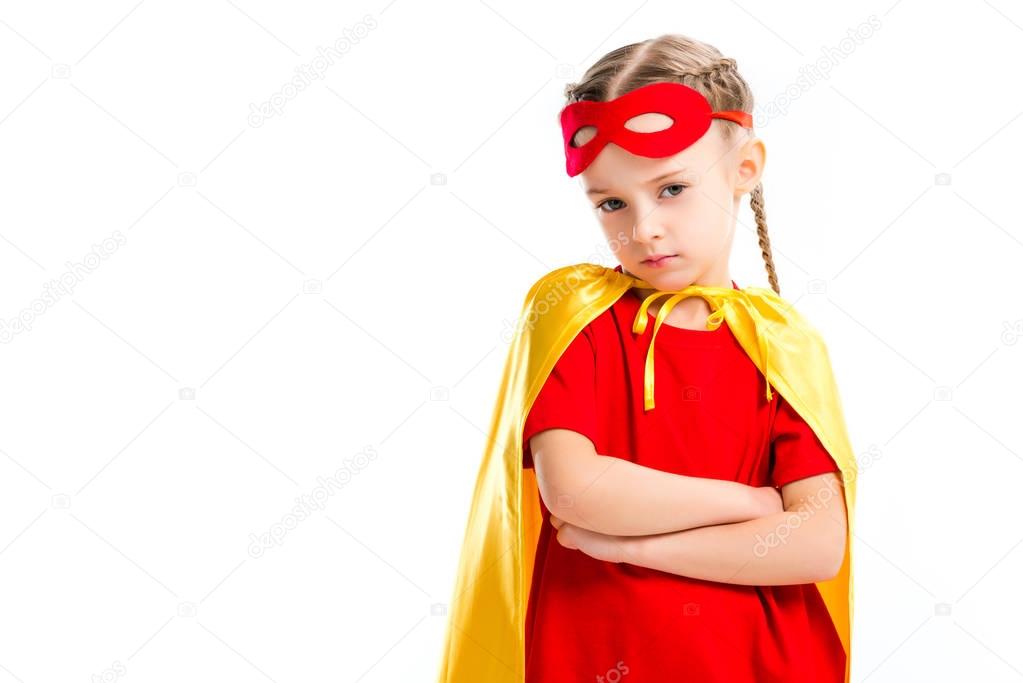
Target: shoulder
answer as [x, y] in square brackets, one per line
[562, 303]
[783, 321]
[566, 282]
[567, 296]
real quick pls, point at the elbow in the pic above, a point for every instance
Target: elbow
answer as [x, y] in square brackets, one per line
[562, 489]
[831, 557]
[565, 464]
[558, 494]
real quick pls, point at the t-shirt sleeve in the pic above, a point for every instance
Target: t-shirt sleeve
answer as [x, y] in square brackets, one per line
[568, 398]
[796, 452]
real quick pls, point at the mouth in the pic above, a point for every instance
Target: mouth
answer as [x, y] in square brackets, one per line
[659, 260]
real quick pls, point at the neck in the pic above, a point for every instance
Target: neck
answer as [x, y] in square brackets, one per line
[722, 281]
[690, 312]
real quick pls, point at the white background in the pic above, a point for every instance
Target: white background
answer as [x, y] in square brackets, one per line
[331, 287]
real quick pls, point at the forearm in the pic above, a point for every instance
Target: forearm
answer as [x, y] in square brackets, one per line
[802, 545]
[618, 497]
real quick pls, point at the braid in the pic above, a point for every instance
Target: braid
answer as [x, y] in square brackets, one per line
[756, 201]
[713, 69]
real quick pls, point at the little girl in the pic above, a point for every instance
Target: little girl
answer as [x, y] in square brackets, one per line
[692, 529]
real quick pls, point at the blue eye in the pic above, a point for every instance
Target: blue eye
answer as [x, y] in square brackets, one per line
[599, 206]
[680, 187]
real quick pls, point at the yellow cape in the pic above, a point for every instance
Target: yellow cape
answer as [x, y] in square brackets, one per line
[485, 636]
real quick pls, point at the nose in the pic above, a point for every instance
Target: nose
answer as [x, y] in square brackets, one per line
[648, 226]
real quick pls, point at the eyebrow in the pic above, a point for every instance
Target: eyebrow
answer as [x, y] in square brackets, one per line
[649, 182]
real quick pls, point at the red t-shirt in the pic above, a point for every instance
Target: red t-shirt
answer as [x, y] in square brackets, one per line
[590, 620]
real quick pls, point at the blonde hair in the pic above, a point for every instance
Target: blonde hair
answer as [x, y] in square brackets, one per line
[679, 59]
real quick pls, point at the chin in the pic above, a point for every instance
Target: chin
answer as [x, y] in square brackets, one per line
[667, 281]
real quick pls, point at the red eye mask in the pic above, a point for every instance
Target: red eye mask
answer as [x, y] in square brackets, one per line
[688, 109]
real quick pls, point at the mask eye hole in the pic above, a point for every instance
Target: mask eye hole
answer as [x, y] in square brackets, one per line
[650, 122]
[583, 135]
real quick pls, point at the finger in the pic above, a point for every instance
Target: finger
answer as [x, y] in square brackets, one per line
[565, 538]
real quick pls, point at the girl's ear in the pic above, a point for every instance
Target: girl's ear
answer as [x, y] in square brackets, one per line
[752, 156]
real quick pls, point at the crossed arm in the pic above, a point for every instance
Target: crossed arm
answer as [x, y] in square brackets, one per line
[618, 511]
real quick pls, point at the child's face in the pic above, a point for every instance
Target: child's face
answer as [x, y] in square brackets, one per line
[683, 205]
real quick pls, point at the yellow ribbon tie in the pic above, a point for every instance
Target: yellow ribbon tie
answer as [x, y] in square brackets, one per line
[714, 321]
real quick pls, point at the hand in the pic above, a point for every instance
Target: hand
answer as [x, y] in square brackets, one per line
[596, 545]
[769, 501]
